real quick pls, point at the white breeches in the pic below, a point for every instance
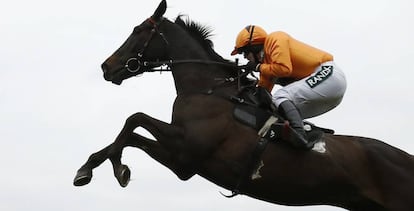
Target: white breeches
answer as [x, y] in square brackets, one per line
[317, 93]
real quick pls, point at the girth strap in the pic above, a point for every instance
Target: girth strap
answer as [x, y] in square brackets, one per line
[253, 164]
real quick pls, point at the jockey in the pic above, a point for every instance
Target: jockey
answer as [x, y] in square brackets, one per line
[311, 82]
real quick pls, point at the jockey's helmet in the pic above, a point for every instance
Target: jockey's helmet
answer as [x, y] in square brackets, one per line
[248, 36]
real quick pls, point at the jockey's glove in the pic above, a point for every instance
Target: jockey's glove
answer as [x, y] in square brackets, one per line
[253, 66]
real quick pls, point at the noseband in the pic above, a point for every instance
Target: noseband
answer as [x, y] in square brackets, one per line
[135, 64]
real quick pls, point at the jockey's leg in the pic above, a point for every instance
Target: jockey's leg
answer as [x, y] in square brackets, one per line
[289, 111]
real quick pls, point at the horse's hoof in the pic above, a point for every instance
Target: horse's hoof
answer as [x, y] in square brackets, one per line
[82, 177]
[123, 175]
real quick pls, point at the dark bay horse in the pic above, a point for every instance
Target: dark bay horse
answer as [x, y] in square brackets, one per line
[204, 138]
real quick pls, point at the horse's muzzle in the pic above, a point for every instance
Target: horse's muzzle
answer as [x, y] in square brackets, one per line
[109, 76]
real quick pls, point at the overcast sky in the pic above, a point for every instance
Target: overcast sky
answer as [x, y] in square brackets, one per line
[56, 108]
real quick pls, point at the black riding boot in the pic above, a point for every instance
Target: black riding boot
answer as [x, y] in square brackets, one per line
[289, 111]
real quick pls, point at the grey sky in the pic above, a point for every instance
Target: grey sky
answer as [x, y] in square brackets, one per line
[56, 109]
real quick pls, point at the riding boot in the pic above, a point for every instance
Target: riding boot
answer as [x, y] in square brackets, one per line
[289, 111]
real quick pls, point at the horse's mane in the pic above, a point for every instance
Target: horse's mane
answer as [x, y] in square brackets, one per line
[202, 34]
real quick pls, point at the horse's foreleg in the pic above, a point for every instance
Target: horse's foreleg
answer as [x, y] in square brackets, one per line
[160, 154]
[84, 174]
[113, 152]
[169, 139]
[163, 132]
[160, 130]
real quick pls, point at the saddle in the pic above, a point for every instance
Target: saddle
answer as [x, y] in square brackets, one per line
[254, 108]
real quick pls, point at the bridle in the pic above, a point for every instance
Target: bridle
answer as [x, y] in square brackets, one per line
[139, 65]
[134, 64]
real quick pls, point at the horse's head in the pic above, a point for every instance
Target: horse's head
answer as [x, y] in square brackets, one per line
[130, 59]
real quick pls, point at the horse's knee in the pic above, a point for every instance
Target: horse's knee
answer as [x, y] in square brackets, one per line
[135, 118]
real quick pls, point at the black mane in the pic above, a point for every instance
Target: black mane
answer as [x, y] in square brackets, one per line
[202, 34]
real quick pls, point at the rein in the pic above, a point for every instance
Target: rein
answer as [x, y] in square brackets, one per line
[135, 64]
[150, 66]
[138, 66]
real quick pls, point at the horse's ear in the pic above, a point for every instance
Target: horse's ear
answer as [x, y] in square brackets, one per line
[159, 12]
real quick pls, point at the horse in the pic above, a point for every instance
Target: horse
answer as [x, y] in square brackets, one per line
[205, 138]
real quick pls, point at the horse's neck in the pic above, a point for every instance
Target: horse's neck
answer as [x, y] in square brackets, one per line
[193, 76]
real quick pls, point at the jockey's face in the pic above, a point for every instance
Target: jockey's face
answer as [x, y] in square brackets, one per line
[251, 57]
